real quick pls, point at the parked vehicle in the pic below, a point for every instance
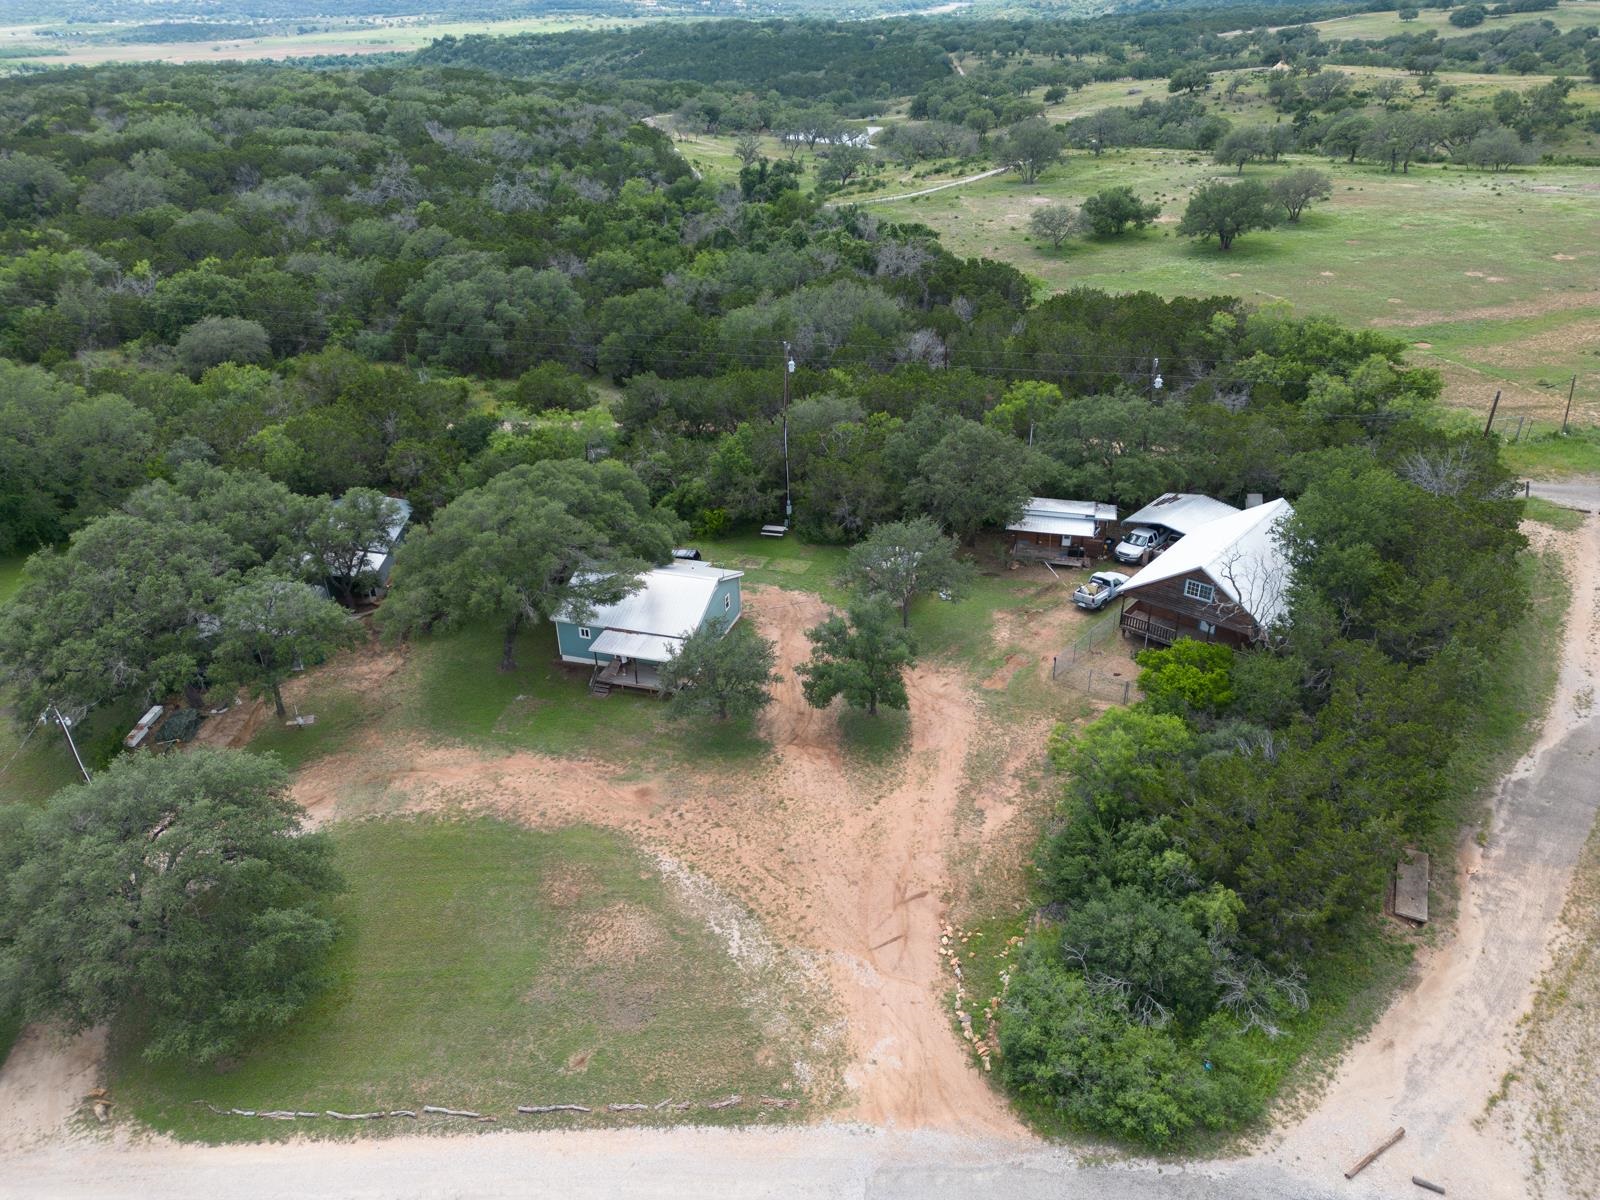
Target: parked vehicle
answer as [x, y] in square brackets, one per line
[1141, 543]
[1099, 590]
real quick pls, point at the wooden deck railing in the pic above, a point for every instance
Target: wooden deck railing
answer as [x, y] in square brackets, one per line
[1142, 625]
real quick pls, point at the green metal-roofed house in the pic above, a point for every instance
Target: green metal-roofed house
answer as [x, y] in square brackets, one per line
[626, 643]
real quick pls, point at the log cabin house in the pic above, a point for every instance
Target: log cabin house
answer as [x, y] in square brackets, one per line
[1061, 531]
[1227, 581]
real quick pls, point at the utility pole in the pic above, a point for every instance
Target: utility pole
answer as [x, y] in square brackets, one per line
[1155, 380]
[1492, 408]
[67, 729]
[1571, 387]
[788, 501]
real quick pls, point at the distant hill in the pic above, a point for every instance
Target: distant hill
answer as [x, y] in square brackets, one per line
[800, 59]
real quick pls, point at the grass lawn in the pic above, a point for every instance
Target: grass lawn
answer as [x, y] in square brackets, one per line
[11, 575]
[1490, 277]
[457, 692]
[1538, 509]
[785, 562]
[1552, 454]
[40, 762]
[486, 966]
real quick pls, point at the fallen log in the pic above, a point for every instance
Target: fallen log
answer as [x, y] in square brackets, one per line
[534, 1109]
[454, 1112]
[628, 1107]
[340, 1116]
[727, 1103]
[1372, 1155]
[1427, 1183]
[775, 1102]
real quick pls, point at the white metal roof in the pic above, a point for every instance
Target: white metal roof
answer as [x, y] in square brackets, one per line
[1239, 553]
[651, 647]
[1069, 518]
[669, 604]
[374, 559]
[1181, 512]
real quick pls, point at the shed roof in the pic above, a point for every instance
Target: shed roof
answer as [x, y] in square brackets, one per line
[1239, 553]
[670, 603]
[1181, 512]
[1069, 518]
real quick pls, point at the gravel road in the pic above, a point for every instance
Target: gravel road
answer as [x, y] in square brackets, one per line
[1572, 493]
[817, 1163]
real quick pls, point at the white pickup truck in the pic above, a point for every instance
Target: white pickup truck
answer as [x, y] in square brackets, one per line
[1099, 590]
[1141, 543]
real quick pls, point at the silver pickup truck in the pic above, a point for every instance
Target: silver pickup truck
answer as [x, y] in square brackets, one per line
[1141, 543]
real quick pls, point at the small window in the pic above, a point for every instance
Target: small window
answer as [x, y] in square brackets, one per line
[727, 604]
[583, 632]
[1193, 589]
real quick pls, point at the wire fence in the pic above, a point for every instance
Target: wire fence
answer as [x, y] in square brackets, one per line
[1095, 666]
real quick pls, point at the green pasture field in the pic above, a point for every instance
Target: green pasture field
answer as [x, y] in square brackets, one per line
[1249, 104]
[1569, 14]
[485, 966]
[1490, 277]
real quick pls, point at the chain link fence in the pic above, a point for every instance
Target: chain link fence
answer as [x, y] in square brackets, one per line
[1096, 666]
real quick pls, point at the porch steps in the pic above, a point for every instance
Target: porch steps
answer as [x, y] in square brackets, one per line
[599, 689]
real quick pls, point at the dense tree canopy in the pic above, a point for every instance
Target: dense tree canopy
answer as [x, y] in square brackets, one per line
[177, 888]
[560, 536]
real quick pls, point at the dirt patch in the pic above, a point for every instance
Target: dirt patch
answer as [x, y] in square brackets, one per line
[233, 729]
[44, 1083]
[578, 1063]
[1002, 676]
[1550, 302]
[566, 885]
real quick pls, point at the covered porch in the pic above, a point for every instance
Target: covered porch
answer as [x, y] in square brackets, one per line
[1155, 626]
[632, 660]
[1056, 555]
[629, 673]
